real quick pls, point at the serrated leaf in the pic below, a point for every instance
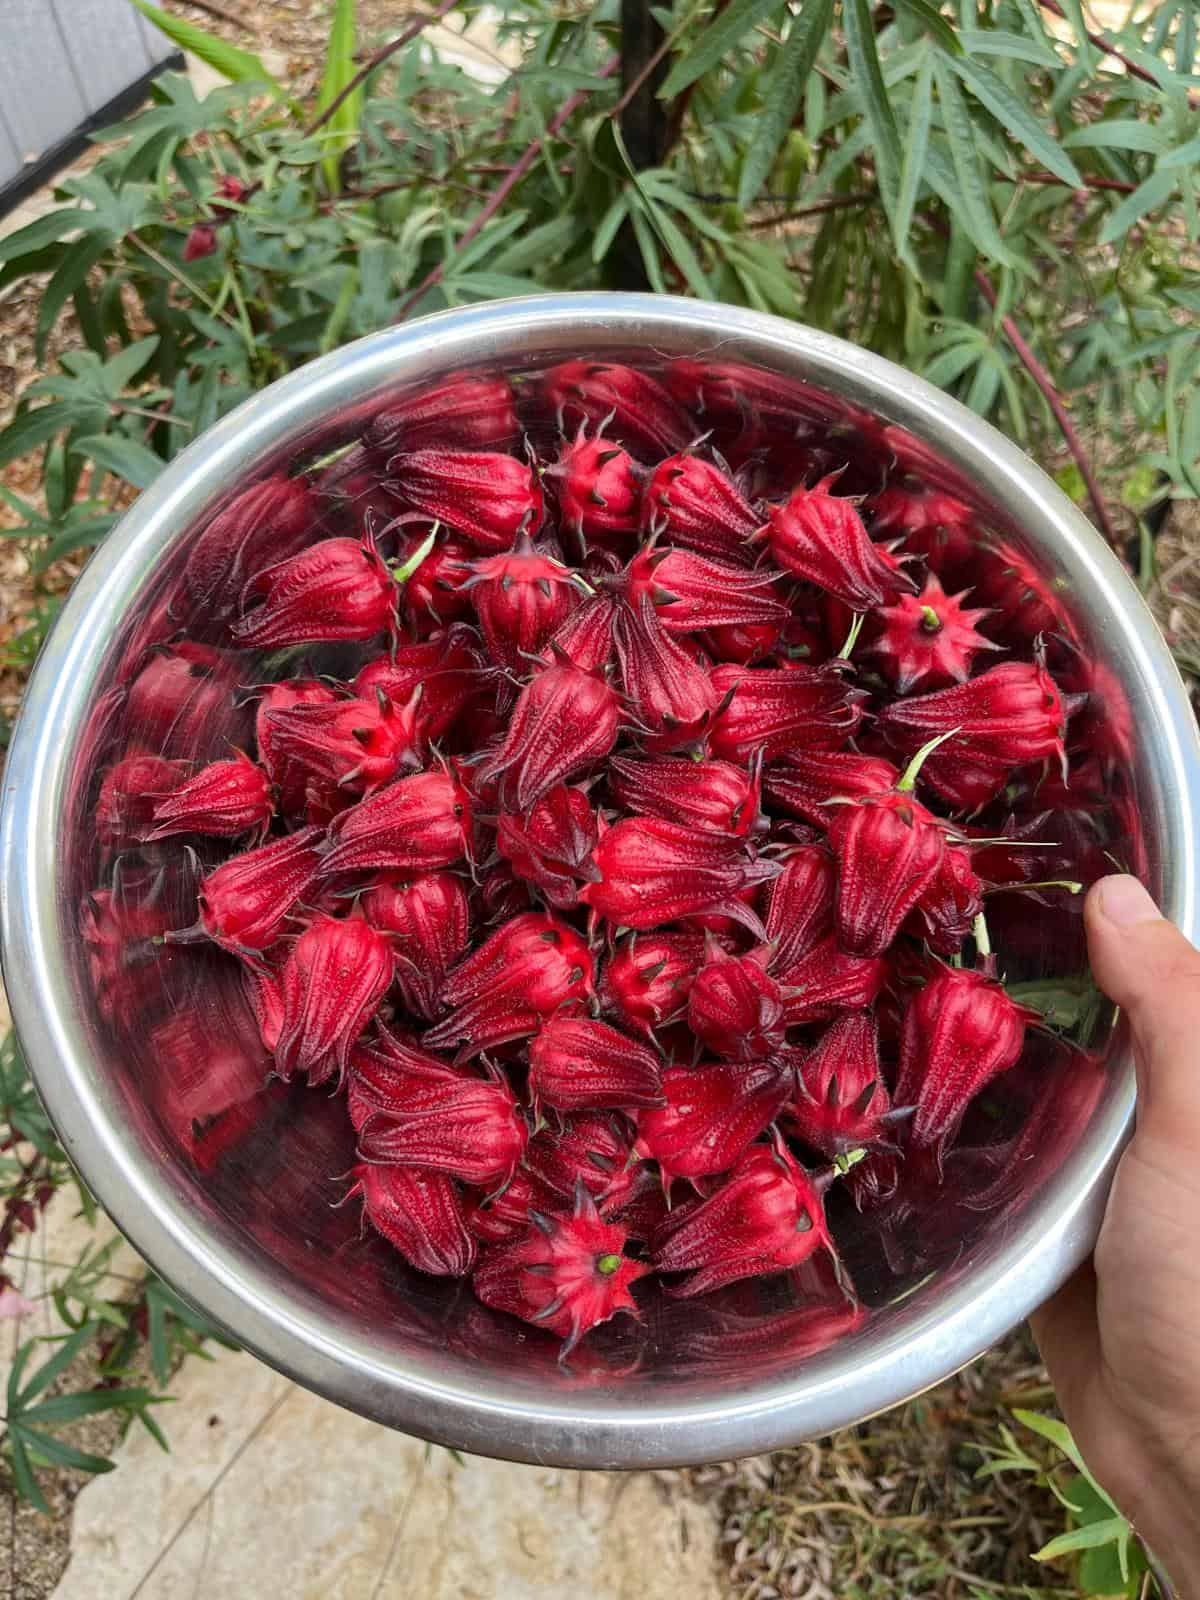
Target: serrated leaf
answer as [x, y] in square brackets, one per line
[67, 1350]
[794, 63]
[239, 66]
[934, 24]
[1016, 118]
[679, 248]
[859, 28]
[701, 55]
[126, 458]
[1156, 191]
[1012, 46]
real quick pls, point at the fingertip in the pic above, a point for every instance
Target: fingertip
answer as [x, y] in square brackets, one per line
[1122, 901]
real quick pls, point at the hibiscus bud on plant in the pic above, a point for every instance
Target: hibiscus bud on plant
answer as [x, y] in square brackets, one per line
[715, 796]
[524, 973]
[470, 411]
[633, 406]
[653, 872]
[263, 524]
[596, 485]
[928, 638]
[960, 1031]
[415, 824]
[129, 793]
[781, 709]
[735, 1007]
[567, 1274]
[222, 800]
[200, 242]
[842, 1101]
[713, 1112]
[564, 720]
[521, 598]
[486, 497]
[578, 1064]
[766, 1217]
[428, 920]
[420, 1213]
[338, 589]
[821, 537]
[332, 984]
[690, 502]
[550, 846]
[646, 980]
[803, 781]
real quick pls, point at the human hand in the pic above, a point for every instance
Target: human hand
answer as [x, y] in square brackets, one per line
[1122, 1338]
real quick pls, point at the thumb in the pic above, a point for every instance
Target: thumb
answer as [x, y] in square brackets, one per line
[1146, 966]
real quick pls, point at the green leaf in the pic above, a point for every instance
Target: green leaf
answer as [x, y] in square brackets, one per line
[62, 1408]
[342, 127]
[239, 66]
[1156, 191]
[695, 59]
[31, 429]
[27, 1485]
[644, 235]
[36, 235]
[122, 368]
[1184, 155]
[125, 457]
[61, 1454]
[1118, 134]
[919, 117]
[794, 63]
[79, 262]
[934, 24]
[680, 249]
[1110, 1531]
[974, 205]
[1013, 46]
[1016, 119]
[67, 1350]
[859, 28]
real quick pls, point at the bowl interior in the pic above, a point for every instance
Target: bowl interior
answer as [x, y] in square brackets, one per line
[232, 1184]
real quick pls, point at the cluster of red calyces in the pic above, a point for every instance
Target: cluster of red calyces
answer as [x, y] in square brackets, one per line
[608, 824]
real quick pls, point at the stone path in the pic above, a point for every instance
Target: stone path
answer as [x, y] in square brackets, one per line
[269, 1491]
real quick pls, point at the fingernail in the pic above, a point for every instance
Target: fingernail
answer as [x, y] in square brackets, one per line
[1125, 902]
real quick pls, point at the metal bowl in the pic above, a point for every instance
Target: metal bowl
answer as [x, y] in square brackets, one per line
[248, 1233]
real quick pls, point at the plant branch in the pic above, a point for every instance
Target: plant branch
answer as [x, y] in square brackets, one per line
[837, 202]
[1117, 184]
[503, 189]
[1101, 43]
[377, 60]
[1055, 401]
[231, 17]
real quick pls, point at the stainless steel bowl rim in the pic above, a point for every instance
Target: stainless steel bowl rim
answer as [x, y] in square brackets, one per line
[588, 1428]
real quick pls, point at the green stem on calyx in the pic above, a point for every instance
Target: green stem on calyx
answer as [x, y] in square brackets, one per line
[852, 637]
[909, 781]
[404, 572]
[1069, 884]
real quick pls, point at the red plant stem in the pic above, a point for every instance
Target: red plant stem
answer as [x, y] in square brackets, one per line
[502, 190]
[1102, 43]
[377, 60]
[1054, 400]
[1117, 184]
[837, 202]
[641, 78]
